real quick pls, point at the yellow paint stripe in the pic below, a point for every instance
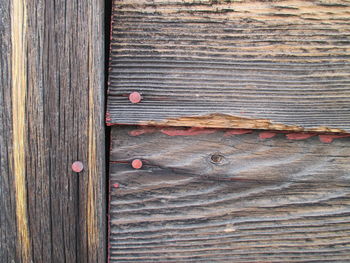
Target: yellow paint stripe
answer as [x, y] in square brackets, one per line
[92, 183]
[19, 80]
[92, 224]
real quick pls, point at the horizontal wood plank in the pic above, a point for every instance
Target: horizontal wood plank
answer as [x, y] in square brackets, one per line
[228, 197]
[285, 62]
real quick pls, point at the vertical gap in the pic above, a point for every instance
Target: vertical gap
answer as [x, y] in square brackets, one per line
[107, 33]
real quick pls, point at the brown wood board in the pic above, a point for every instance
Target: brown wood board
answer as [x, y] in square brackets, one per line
[285, 62]
[228, 198]
[51, 114]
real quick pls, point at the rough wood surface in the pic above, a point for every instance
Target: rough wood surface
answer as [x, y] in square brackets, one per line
[225, 196]
[284, 61]
[8, 230]
[51, 114]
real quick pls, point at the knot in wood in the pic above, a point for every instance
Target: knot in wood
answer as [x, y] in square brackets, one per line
[217, 158]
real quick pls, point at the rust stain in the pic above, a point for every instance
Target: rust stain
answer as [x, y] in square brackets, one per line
[218, 120]
[328, 138]
[143, 130]
[187, 132]
[237, 132]
[267, 135]
[299, 136]
[108, 117]
[19, 87]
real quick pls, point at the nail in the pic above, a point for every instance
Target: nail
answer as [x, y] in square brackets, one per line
[136, 164]
[77, 166]
[135, 97]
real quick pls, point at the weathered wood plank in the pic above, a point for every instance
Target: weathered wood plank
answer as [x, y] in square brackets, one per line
[286, 62]
[218, 197]
[8, 229]
[51, 114]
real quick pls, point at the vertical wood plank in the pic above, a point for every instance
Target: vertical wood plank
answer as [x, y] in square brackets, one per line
[8, 229]
[52, 86]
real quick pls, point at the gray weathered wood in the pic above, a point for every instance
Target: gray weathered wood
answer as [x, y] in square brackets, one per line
[8, 232]
[51, 114]
[283, 61]
[238, 198]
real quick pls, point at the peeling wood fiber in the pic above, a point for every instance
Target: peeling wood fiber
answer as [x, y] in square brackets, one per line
[227, 121]
[283, 61]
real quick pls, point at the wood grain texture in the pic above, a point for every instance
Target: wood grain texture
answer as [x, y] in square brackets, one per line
[51, 114]
[19, 90]
[284, 61]
[9, 251]
[219, 198]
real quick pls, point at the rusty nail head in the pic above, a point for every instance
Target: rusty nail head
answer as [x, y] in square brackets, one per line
[136, 164]
[77, 166]
[135, 97]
